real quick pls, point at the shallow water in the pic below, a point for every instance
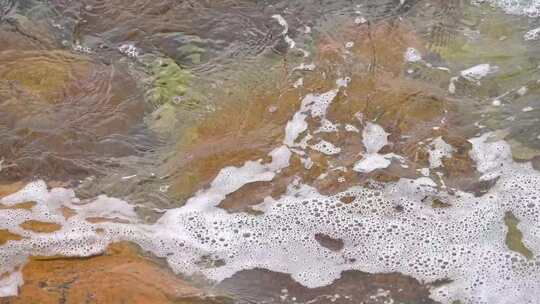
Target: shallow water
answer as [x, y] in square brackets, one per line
[270, 151]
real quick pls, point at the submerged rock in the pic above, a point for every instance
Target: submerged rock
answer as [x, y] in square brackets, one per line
[186, 49]
[120, 275]
[7, 189]
[45, 76]
[353, 287]
[21, 33]
[62, 112]
[6, 236]
[514, 237]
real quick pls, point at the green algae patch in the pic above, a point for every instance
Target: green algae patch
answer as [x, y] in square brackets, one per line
[170, 82]
[514, 237]
[169, 93]
[164, 119]
[437, 203]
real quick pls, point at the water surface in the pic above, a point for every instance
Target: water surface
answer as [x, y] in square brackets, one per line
[270, 151]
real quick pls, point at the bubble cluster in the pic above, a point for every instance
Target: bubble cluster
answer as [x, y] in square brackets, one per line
[529, 8]
[129, 50]
[326, 148]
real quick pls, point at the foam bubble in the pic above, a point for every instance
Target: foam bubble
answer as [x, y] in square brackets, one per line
[129, 50]
[477, 72]
[327, 126]
[326, 147]
[412, 55]
[285, 32]
[490, 157]
[374, 139]
[371, 162]
[533, 34]
[351, 128]
[10, 283]
[438, 150]
[529, 8]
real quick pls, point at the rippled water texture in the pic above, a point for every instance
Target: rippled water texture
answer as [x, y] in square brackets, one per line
[240, 151]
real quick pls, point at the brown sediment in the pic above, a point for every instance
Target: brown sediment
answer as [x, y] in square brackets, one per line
[352, 287]
[23, 205]
[347, 199]
[120, 275]
[40, 227]
[380, 47]
[105, 220]
[7, 189]
[478, 187]
[198, 171]
[329, 242]
[458, 170]
[437, 203]
[252, 194]
[536, 163]
[460, 164]
[400, 106]
[68, 212]
[21, 33]
[6, 236]
[410, 110]
[60, 184]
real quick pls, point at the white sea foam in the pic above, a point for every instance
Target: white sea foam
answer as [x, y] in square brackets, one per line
[438, 149]
[326, 148]
[477, 72]
[374, 139]
[533, 34]
[529, 8]
[9, 284]
[285, 32]
[327, 126]
[351, 128]
[129, 50]
[412, 55]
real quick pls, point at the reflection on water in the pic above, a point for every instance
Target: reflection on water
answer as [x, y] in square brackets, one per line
[236, 108]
